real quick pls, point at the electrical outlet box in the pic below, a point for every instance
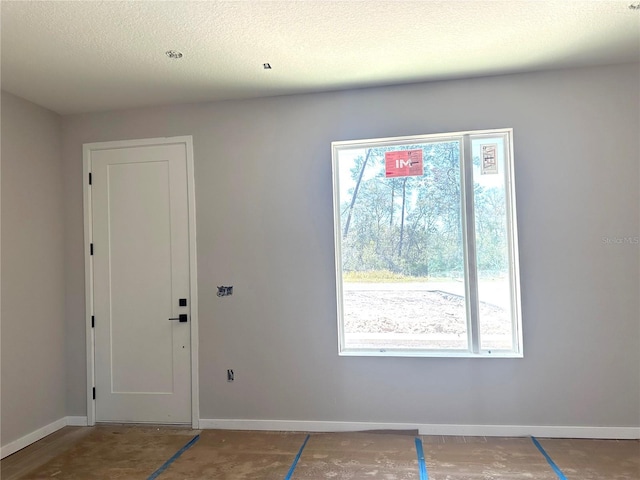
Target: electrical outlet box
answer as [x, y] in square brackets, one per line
[225, 291]
[230, 376]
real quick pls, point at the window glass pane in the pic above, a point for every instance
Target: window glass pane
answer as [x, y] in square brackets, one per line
[402, 247]
[492, 243]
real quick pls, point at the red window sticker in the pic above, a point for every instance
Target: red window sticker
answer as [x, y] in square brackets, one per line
[403, 163]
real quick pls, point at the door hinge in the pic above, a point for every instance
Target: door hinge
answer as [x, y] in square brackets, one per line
[90, 179]
[94, 393]
[91, 249]
[93, 321]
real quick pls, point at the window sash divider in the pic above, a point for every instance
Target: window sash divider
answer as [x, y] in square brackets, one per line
[470, 255]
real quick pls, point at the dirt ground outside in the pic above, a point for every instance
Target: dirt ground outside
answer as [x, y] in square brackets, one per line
[429, 315]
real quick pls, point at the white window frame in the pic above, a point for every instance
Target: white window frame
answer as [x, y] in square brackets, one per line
[468, 228]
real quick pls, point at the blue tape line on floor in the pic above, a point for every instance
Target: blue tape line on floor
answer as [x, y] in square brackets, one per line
[549, 460]
[421, 463]
[295, 460]
[174, 458]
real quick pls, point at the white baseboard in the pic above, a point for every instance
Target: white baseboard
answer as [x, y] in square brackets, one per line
[549, 431]
[32, 437]
[40, 433]
[301, 425]
[77, 421]
[543, 431]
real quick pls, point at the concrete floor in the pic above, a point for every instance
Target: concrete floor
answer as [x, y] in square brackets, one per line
[145, 452]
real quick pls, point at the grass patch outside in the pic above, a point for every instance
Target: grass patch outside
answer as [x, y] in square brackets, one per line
[381, 276]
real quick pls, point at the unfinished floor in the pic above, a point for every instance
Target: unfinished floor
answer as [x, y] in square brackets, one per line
[166, 453]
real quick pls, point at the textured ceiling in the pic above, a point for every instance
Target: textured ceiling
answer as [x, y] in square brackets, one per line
[82, 56]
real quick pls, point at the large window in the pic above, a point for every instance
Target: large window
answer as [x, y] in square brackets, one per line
[426, 246]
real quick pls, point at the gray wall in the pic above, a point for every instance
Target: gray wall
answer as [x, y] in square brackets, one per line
[264, 221]
[32, 278]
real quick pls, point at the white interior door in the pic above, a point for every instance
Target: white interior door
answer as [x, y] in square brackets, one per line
[140, 223]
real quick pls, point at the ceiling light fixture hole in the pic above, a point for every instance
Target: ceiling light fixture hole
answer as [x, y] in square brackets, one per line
[173, 54]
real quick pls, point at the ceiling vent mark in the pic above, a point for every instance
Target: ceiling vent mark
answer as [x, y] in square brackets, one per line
[634, 6]
[173, 54]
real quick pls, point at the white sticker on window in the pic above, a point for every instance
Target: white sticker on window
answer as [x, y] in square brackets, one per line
[489, 158]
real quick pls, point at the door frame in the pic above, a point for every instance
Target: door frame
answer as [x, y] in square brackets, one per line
[87, 149]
